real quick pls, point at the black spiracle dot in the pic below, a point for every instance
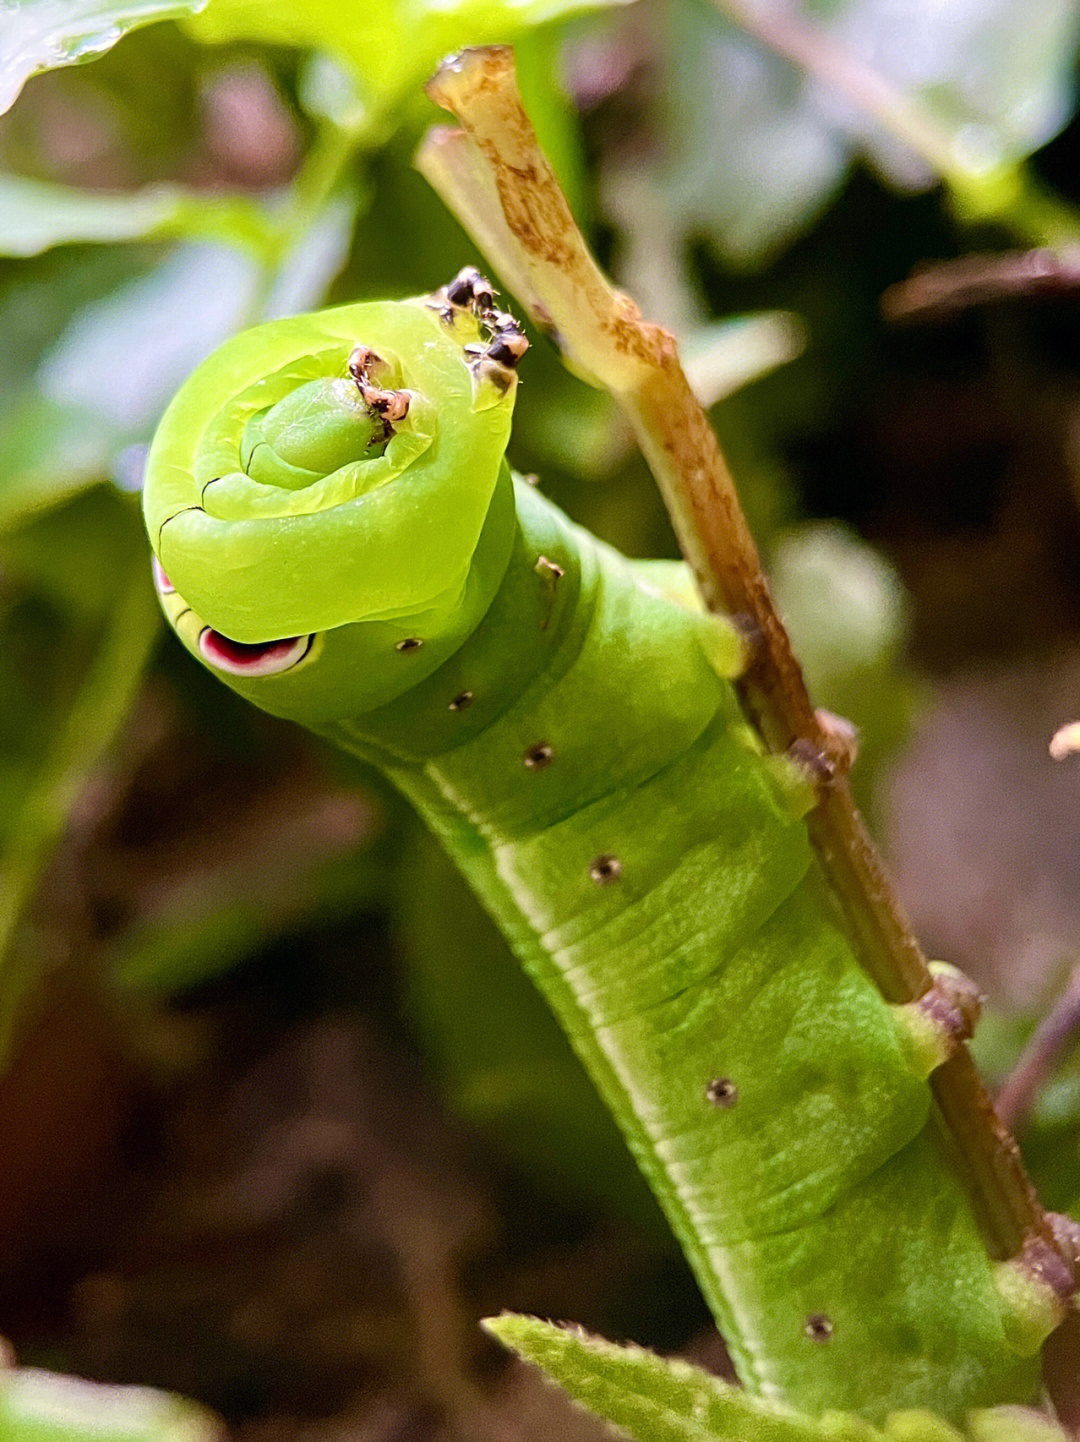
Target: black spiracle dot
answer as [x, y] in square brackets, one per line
[722, 1092]
[462, 700]
[605, 869]
[410, 643]
[538, 755]
[818, 1327]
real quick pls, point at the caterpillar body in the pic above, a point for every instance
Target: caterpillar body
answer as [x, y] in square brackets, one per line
[337, 534]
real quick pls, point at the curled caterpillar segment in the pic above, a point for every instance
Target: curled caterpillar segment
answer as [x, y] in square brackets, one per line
[244, 660]
[338, 535]
[325, 470]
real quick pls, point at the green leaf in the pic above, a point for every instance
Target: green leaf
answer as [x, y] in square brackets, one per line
[998, 78]
[650, 1398]
[45, 34]
[105, 382]
[48, 453]
[849, 617]
[38, 1406]
[391, 46]
[655, 1399]
[36, 215]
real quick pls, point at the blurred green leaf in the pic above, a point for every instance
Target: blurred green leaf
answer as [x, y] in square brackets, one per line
[43, 34]
[751, 149]
[849, 619]
[392, 46]
[48, 452]
[36, 215]
[38, 1406]
[77, 731]
[106, 380]
[124, 357]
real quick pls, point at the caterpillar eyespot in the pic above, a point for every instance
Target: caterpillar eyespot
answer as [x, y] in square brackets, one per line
[266, 658]
[162, 584]
[659, 883]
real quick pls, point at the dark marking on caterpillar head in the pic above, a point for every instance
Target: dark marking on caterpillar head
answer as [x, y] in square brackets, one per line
[538, 755]
[818, 1327]
[365, 363]
[410, 643]
[246, 467]
[605, 869]
[722, 1092]
[470, 290]
[462, 700]
[173, 517]
[261, 658]
[493, 372]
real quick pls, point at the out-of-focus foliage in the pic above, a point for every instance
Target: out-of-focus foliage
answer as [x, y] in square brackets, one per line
[997, 77]
[254, 159]
[38, 1406]
[848, 615]
[35, 216]
[41, 34]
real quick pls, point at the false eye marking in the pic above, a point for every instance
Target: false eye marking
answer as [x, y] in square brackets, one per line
[162, 584]
[263, 658]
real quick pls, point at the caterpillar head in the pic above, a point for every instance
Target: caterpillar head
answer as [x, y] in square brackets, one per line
[328, 500]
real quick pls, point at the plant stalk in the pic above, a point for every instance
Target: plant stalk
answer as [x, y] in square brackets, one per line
[494, 176]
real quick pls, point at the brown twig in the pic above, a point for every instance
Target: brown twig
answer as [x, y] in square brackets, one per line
[1041, 1056]
[494, 176]
[943, 290]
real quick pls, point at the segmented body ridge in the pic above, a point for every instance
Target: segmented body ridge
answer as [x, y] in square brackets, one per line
[605, 797]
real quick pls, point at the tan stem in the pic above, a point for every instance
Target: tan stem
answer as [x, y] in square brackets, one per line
[494, 176]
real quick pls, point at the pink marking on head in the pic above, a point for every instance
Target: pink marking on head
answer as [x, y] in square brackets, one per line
[263, 658]
[164, 586]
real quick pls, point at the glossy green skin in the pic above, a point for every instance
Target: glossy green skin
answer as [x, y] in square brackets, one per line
[714, 952]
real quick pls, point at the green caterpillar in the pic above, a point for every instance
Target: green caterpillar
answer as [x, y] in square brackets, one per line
[337, 534]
